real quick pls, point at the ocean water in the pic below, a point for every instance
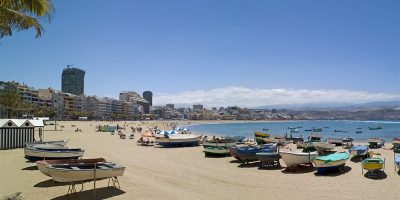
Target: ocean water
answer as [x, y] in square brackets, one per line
[388, 132]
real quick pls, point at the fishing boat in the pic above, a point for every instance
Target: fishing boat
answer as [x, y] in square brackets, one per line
[218, 147]
[39, 153]
[173, 139]
[339, 131]
[336, 141]
[331, 161]
[248, 154]
[321, 147]
[293, 159]
[61, 143]
[43, 164]
[375, 128]
[308, 130]
[396, 142]
[260, 134]
[317, 129]
[359, 150]
[268, 158]
[233, 152]
[308, 147]
[315, 137]
[291, 127]
[396, 154]
[376, 142]
[358, 132]
[84, 171]
[373, 163]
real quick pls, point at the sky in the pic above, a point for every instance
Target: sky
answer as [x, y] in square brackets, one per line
[223, 52]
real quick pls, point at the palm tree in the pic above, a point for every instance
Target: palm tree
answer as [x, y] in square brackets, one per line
[24, 14]
[10, 99]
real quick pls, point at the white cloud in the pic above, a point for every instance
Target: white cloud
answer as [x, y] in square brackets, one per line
[247, 97]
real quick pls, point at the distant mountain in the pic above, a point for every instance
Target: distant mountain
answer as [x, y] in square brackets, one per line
[335, 106]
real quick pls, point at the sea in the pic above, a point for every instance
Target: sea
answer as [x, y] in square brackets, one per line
[346, 128]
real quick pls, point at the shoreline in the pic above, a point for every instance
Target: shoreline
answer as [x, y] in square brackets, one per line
[184, 173]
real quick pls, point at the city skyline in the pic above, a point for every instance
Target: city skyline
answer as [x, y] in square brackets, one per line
[194, 50]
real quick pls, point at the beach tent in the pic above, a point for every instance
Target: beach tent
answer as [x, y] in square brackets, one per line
[14, 133]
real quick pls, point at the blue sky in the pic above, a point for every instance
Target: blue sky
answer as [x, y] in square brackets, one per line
[185, 47]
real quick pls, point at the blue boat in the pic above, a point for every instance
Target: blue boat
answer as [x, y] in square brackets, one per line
[359, 150]
[248, 154]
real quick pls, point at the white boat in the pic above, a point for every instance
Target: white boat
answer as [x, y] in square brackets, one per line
[336, 160]
[320, 146]
[81, 172]
[61, 143]
[33, 153]
[292, 159]
[43, 164]
[178, 140]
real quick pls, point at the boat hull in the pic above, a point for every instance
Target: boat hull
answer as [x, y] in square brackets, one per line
[324, 146]
[33, 154]
[178, 140]
[70, 175]
[292, 159]
[268, 157]
[43, 164]
[216, 151]
[62, 143]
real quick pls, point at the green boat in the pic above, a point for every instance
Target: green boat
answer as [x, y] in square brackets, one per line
[218, 147]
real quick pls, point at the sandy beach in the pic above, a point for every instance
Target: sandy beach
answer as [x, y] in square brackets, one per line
[184, 173]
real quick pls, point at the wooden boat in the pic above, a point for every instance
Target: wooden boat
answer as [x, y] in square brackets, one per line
[218, 147]
[331, 161]
[309, 147]
[375, 128]
[317, 129]
[248, 154]
[359, 150]
[233, 152]
[374, 162]
[396, 142]
[268, 158]
[43, 164]
[321, 147]
[84, 171]
[260, 134]
[335, 141]
[315, 137]
[376, 142]
[292, 159]
[61, 143]
[175, 140]
[33, 153]
[348, 139]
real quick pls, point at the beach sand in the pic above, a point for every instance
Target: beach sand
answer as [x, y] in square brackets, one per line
[184, 173]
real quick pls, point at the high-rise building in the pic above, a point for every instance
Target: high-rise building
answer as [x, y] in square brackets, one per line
[197, 107]
[148, 95]
[72, 81]
[170, 106]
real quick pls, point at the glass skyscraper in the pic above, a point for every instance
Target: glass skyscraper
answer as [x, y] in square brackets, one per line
[72, 81]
